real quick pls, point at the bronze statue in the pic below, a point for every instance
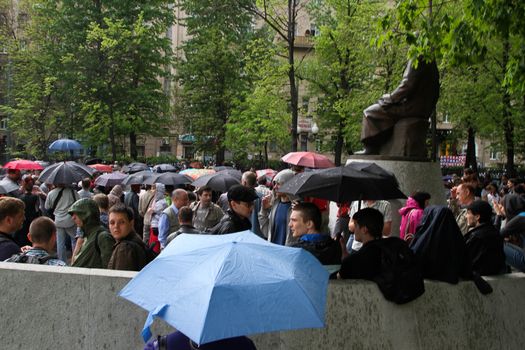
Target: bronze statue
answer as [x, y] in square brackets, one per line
[398, 123]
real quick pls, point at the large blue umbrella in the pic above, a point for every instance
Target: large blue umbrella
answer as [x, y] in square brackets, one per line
[213, 287]
[65, 145]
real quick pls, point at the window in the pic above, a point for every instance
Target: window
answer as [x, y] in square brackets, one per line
[493, 154]
[3, 124]
[306, 101]
[189, 152]
[314, 31]
[165, 148]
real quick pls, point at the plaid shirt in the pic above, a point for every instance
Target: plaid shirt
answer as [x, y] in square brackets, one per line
[42, 252]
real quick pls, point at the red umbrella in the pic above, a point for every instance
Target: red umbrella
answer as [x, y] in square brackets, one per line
[103, 168]
[23, 165]
[308, 159]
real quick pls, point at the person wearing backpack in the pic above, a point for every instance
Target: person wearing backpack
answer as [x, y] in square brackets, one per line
[58, 202]
[130, 252]
[43, 235]
[98, 243]
[387, 261]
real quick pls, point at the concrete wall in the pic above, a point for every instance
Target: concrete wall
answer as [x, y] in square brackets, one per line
[44, 307]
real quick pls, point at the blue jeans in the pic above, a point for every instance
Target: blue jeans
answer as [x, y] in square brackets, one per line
[514, 256]
[62, 235]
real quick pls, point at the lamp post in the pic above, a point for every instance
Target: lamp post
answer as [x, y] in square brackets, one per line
[306, 132]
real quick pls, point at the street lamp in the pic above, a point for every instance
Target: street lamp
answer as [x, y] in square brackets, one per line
[307, 133]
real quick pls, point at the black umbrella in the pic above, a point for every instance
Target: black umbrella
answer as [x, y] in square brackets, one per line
[169, 179]
[110, 179]
[343, 184]
[65, 173]
[220, 181]
[165, 168]
[232, 172]
[134, 168]
[137, 178]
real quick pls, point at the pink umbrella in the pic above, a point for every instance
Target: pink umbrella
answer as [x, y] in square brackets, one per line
[308, 160]
[23, 165]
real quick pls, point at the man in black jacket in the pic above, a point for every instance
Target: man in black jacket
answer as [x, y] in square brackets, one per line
[305, 223]
[484, 243]
[237, 217]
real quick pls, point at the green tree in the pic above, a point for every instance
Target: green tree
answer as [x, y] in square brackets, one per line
[211, 74]
[32, 96]
[465, 32]
[262, 116]
[282, 17]
[102, 64]
[346, 71]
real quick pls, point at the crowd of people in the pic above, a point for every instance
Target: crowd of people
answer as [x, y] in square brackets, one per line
[116, 229]
[479, 232]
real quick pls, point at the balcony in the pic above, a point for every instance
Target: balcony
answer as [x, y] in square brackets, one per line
[301, 42]
[304, 42]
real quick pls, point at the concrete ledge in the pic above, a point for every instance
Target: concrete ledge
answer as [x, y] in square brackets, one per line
[46, 307]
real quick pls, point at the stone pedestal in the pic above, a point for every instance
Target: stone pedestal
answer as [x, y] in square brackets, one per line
[413, 175]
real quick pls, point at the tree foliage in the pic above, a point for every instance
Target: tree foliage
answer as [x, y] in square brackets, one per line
[211, 74]
[261, 117]
[100, 64]
[346, 71]
[467, 34]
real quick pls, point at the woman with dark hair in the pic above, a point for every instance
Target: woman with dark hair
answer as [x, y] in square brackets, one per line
[411, 214]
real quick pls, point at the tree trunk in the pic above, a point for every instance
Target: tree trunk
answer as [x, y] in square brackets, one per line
[219, 155]
[339, 144]
[291, 72]
[265, 154]
[112, 134]
[508, 123]
[470, 161]
[133, 145]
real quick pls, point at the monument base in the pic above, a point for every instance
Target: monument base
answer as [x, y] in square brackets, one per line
[413, 175]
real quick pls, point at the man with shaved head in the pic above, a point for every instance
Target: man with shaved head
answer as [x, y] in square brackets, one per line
[169, 222]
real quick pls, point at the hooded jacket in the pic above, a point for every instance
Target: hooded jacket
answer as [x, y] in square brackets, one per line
[411, 215]
[98, 243]
[440, 247]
